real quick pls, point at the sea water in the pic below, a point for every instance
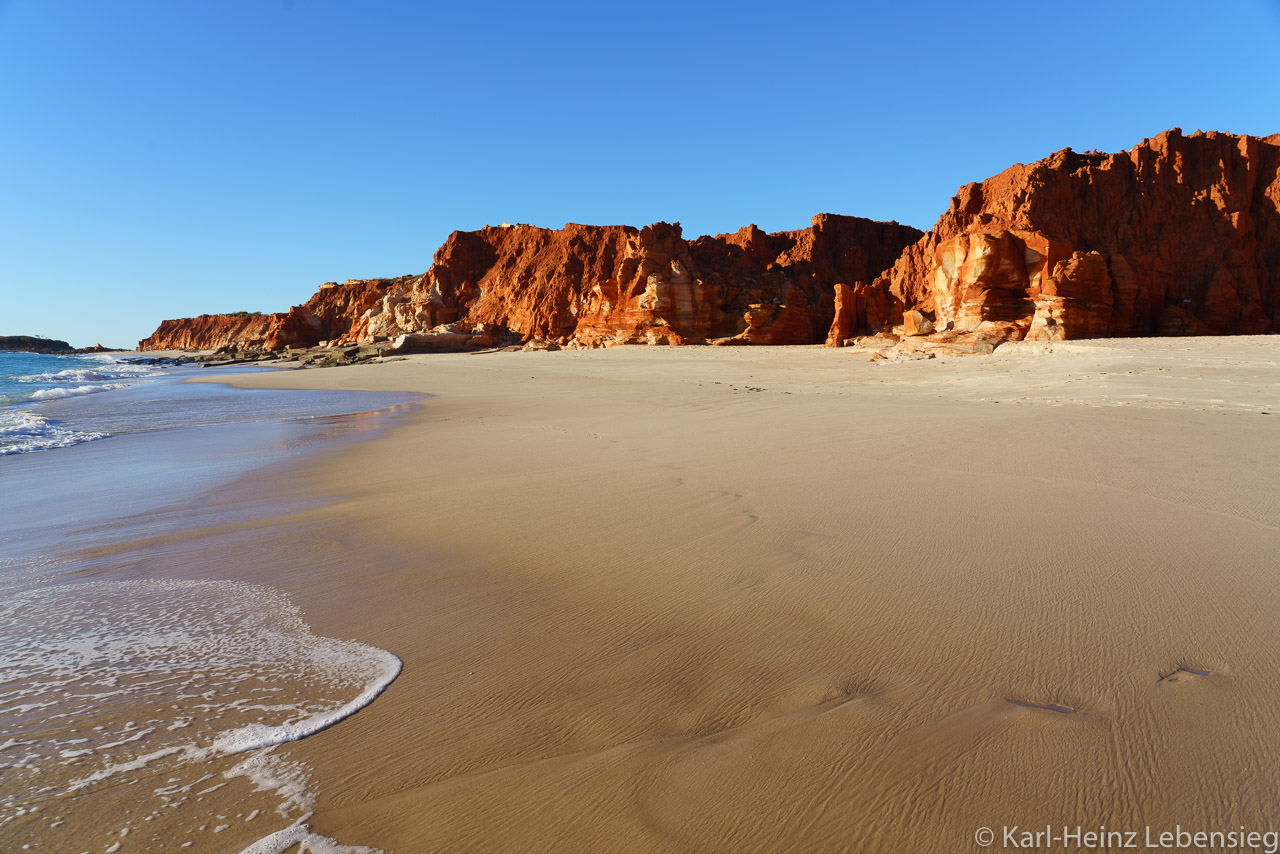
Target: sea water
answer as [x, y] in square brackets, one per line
[31, 378]
[149, 713]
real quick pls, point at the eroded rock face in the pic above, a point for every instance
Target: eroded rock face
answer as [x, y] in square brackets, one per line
[209, 332]
[328, 315]
[596, 286]
[915, 323]
[525, 281]
[843, 321]
[1178, 236]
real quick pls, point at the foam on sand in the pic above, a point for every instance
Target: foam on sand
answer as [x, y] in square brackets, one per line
[111, 683]
[301, 835]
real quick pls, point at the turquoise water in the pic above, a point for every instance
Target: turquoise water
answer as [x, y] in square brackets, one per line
[37, 376]
[30, 379]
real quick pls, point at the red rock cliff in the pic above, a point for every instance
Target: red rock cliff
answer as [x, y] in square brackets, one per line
[328, 315]
[596, 286]
[592, 286]
[1178, 236]
[209, 331]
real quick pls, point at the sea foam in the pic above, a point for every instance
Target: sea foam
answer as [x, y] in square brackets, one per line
[22, 431]
[125, 682]
[301, 835]
[82, 375]
[118, 371]
[74, 391]
[27, 379]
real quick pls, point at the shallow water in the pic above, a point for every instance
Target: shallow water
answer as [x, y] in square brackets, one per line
[141, 713]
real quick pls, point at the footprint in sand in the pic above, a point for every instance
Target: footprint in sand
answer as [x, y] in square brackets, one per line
[1048, 707]
[1182, 674]
[850, 688]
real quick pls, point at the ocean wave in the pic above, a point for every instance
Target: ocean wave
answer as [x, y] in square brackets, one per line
[88, 375]
[71, 375]
[75, 391]
[119, 368]
[22, 432]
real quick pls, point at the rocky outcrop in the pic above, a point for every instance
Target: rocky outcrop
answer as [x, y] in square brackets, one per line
[915, 323]
[842, 322]
[594, 286]
[1178, 236]
[325, 318]
[748, 287]
[519, 282]
[210, 332]
[328, 315]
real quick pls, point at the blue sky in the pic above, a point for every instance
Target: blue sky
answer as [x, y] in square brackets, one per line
[168, 158]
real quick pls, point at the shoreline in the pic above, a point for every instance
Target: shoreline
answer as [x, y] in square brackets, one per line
[94, 563]
[810, 581]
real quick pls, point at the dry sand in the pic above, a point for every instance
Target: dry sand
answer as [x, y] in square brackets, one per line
[784, 599]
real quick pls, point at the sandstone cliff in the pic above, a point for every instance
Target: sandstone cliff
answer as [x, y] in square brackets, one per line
[1178, 236]
[328, 315]
[591, 286]
[209, 332]
[743, 288]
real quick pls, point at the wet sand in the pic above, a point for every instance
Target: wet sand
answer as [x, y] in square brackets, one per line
[132, 698]
[785, 599]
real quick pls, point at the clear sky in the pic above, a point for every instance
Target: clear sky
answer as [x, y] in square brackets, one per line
[171, 157]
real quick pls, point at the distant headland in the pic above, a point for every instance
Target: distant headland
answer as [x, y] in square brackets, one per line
[35, 344]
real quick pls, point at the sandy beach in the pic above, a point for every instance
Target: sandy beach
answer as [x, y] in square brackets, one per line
[509, 428]
[786, 599]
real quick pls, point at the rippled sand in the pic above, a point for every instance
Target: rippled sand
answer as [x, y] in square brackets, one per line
[787, 599]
